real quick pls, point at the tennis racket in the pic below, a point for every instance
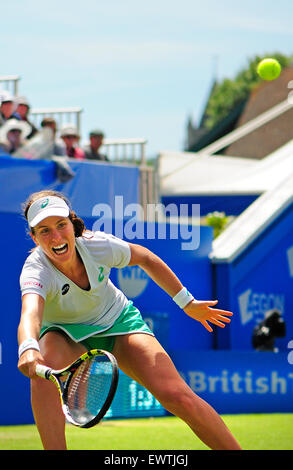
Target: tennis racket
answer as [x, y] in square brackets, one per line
[86, 387]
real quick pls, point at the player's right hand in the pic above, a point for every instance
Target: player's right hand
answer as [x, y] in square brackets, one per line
[28, 361]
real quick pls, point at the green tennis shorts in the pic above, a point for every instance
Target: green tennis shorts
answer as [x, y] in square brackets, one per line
[91, 336]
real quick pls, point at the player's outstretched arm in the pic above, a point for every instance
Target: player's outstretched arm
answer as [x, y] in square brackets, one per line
[156, 268]
[159, 271]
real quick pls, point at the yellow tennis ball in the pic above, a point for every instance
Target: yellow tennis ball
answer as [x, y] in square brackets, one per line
[269, 69]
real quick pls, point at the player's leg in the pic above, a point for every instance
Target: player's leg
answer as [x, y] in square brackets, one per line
[58, 351]
[141, 357]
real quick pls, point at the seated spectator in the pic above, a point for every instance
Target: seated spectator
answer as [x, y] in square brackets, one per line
[13, 135]
[92, 151]
[59, 149]
[7, 107]
[70, 137]
[22, 111]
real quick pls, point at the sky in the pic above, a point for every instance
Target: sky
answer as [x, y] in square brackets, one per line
[137, 69]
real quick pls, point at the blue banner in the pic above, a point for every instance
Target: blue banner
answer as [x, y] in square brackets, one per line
[259, 280]
[237, 381]
[93, 183]
[231, 204]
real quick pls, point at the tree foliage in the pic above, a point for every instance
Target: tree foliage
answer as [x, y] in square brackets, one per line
[229, 93]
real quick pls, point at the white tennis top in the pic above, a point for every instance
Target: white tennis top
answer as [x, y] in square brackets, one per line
[65, 301]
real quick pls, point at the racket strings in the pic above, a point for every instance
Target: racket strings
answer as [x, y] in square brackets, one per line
[88, 388]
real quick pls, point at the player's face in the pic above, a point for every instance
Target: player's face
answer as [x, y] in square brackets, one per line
[56, 237]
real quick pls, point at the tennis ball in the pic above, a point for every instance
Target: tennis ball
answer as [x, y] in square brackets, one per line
[269, 69]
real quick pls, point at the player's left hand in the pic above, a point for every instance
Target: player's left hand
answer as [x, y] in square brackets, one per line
[202, 312]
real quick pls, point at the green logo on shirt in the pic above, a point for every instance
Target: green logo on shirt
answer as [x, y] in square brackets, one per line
[44, 203]
[101, 275]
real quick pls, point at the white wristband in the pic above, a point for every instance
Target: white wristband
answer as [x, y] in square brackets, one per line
[183, 297]
[29, 343]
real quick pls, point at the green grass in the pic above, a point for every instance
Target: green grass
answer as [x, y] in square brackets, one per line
[254, 432]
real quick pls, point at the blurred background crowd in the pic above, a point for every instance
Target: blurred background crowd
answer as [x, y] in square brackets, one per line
[18, 132]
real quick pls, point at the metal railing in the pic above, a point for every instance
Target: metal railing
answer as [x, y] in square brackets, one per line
[133, 152]
[149, 194]
[10, 83]
[125, 150]
[61, 115]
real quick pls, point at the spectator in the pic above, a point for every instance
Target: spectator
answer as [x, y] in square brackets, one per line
[13, 135]
[70, 137]
[59, 149]
[7, 107]
[22, 111]
[92, 151]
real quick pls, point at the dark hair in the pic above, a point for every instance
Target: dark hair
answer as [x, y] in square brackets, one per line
[47, 120]
[78, 223]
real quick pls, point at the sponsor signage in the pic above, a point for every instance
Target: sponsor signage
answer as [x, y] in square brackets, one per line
[239, 381]
[132, 280]
[254, 305]
[258, 281]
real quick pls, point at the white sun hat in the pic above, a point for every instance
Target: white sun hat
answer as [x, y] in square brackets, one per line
[46, 207]
[15, 124]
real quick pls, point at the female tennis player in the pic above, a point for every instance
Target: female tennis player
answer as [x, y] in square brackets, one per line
[69, 305]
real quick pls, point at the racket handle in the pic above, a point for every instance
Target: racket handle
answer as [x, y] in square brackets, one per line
[43, 371]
